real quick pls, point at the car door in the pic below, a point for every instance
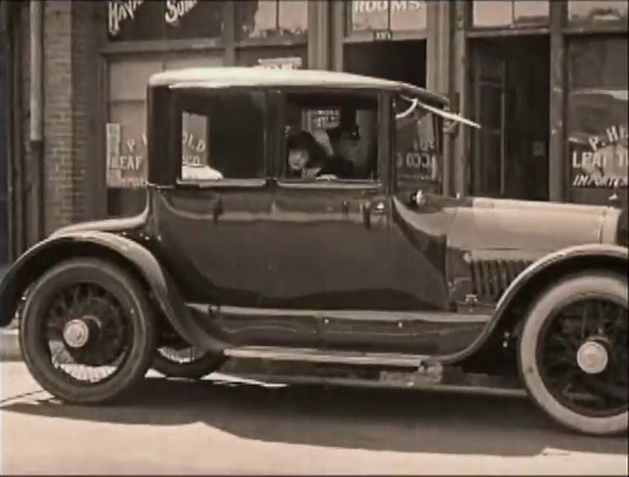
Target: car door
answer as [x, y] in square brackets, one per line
[214, 223]
[332, 236]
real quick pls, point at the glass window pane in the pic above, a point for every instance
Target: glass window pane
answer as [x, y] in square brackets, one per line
[597, 114]
[331, 137]
[417, 149]
[408, 15]
[599, 10]
[369, 15]
[499, 13]
[294, 17]
[126, 144]
[531, 11]
[489, 13]
[270, 18]
[212, 132]
[597, 63]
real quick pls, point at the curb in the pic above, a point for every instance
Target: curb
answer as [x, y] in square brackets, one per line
[10, 345]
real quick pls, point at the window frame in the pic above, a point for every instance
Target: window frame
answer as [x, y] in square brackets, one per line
[381, 181]
[177, 109]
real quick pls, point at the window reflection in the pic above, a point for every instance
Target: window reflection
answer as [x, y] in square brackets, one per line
[496, 13]
[599, 10]
[271, 18]
[597, 115]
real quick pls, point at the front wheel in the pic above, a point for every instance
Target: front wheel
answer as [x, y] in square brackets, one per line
[86, 332]
[573, 353]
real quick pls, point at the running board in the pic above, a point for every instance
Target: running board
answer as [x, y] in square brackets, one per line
[319, 356]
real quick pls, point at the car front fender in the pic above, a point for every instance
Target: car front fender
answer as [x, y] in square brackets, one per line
[541, 272]
[96, 243]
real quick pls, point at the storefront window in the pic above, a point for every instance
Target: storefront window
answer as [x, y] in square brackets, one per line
[505, 13]
[597, 116]
[588, 12]
[393, 15]
[139, 20]
[271, 18]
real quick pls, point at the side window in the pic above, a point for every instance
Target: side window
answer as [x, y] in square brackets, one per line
[418, 156]
[222, 136]
[331, 138]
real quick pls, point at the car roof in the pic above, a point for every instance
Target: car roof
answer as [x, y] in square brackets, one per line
[226, 77]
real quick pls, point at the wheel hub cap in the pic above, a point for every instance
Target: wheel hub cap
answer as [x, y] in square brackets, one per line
[592, 357]
[76, 333]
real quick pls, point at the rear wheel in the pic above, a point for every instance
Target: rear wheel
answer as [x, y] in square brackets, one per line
[86, 332]
[573, 353]
[186, 362]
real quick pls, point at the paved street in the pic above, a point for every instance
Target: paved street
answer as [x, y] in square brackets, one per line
[181, 427]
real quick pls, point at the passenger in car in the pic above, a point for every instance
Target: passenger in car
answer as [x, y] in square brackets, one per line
[306, 157]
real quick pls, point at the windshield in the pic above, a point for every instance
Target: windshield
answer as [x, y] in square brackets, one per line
[418, 146]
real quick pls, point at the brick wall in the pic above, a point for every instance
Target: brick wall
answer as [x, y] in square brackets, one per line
[70, 68]
[58, 117]
[68, 108]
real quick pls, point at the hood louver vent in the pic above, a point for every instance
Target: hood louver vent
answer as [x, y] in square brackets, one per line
[490, 278]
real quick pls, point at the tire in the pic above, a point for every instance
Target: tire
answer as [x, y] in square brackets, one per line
[115, 290]
[195, 368]
[608, 287]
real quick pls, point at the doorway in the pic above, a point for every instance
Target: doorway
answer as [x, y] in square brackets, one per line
[510, 80]
[394, 60]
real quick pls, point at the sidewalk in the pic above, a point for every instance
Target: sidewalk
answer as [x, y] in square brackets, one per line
[9, 344]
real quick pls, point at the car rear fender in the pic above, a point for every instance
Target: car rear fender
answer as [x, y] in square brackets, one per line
[132, 255]
[534, 279]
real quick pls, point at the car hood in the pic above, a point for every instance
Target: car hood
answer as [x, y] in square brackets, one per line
[486, 223]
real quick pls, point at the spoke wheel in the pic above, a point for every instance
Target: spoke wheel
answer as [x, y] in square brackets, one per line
[87, 332]
[573, 353]
[186, 362]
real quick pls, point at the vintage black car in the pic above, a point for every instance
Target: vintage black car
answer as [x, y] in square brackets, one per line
[308, 225]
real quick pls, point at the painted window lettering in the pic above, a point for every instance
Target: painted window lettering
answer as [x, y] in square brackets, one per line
[370, 6]
[119, 11]
[176, 9]
[601, 160]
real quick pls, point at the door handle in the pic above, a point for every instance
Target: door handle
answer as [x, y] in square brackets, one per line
[365, 209]
[217, 210]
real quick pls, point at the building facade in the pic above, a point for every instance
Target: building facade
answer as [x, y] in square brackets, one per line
[546, 80]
